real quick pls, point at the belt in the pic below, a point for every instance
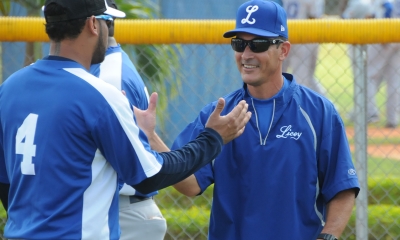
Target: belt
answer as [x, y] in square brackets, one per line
[135, 199]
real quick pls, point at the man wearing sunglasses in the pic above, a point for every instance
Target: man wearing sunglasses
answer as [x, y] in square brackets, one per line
[139, 215]
[66, 136]
[290, 174]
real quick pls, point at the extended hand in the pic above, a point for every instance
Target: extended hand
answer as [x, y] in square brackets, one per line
[146, 119]
[231, 125]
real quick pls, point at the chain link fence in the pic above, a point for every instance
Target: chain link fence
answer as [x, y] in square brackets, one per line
[335, 73]
[208, 71]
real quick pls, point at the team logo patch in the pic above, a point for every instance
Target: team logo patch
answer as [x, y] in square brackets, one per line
[351, 171]
[288, 133]
[250, 9]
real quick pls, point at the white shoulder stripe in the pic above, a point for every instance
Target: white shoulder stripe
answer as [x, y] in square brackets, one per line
[111, 69]
[121, 108]
[307, 117]
[94, 222]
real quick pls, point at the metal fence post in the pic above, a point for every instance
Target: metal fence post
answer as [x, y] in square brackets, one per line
[360, 131]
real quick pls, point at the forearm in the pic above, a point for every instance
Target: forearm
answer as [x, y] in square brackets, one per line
[4, 189]
[339, 210]
[181, 163]
[189, 186]
[156, 143]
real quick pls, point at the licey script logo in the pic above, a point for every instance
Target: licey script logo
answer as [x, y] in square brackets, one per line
[250, 9]
[288, 133]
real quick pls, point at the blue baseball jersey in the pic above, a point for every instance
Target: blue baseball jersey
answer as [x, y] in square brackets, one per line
[118, 70]
[277, 187]
[65, 136]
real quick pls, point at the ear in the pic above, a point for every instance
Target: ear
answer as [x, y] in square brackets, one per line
[92, 26]
[285, 49]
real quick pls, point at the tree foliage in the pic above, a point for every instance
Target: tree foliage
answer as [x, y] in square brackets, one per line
[157, 64]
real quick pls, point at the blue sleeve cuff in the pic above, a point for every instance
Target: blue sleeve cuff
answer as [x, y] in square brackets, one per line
[351, 183]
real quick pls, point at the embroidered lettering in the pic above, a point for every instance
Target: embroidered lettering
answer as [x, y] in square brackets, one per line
[287, 133]
[250, 9]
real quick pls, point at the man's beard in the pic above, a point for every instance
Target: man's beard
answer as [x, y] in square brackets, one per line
[100, 50]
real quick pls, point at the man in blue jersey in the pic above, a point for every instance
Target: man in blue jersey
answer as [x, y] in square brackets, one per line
[139, 215]
[66, 135]
[290, 174]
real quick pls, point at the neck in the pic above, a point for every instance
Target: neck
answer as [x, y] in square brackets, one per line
[266, 90]
[112, 42]
[73, 50]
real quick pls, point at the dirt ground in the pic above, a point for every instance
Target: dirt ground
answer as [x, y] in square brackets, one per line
[391, 151]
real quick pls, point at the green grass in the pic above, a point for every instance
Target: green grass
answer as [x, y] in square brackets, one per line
[379, 141]
[334, 72]
[384, 140]
[383, 167]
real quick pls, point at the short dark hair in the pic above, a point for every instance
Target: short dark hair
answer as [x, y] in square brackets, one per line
[281, 38]
[58, 31]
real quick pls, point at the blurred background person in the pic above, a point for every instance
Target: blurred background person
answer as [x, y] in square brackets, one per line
[302, 59]
[357, 9]
[383, 66]
[383, 60]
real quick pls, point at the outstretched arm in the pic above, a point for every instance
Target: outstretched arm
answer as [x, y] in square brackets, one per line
[183, 162]
[189, 186]
[229, 126]
[338, 212]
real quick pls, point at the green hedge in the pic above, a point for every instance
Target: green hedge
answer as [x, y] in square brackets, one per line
[384, 191]
[383, 223]
[188, 217]
[192, 223]
[381, 191]
[2, 219]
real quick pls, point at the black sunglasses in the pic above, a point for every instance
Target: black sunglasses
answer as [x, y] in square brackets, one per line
[256, 45]
[108, 19]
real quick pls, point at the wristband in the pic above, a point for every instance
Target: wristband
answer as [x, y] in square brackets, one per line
[326, 236]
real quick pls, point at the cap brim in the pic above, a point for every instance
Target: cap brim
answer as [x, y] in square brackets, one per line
[254, 31]
[114, 12]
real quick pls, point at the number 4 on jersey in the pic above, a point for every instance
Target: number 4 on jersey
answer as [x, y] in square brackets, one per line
[27, 148]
